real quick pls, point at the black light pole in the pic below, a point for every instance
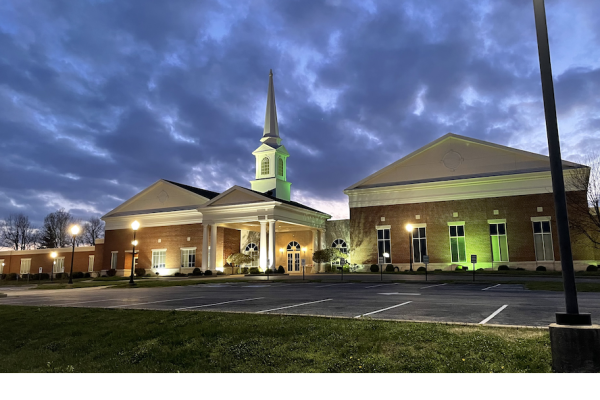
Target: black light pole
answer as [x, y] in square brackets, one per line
[134, 225]
[572, 316]
[53, 255]
[74, 232]
[409, 229]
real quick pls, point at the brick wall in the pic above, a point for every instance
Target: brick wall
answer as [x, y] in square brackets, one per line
[41, 258]
[517, 210]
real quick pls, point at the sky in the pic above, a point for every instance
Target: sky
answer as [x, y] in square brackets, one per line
[99, 99]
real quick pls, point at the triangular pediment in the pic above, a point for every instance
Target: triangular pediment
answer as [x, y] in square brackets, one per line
[237, 195]
[160, 196]
[455, 157]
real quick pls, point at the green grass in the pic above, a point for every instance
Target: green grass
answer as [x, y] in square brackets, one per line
[51, 339]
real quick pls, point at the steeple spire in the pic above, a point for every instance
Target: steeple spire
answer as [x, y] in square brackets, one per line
[271, 130]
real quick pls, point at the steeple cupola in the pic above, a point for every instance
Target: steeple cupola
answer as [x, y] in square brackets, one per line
[271, 156]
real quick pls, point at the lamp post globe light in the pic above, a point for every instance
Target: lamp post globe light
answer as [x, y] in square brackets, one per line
[409, 229]
[53, 255]
[135, 226]
[74, 231]
[385, 255]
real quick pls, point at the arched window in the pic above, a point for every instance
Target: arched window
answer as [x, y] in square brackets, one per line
[252, 251]
[293, 246]
[340, 245]
[264, 166]
[280, 166]
[293, 256]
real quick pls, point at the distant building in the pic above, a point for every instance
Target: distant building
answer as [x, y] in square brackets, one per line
[461, 196]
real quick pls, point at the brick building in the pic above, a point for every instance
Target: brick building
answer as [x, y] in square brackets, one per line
[462, 197]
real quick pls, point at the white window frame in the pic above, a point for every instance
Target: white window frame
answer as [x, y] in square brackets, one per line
[265, 164]
[157, 257]
[91, 263]
[59, 265]
[380, 258]
[457, 223]
[253, 251]
[114, 259]
[497, 238]
[412, 241]
[28, 266]
[541, 221]
[341, 245]
[186, 251]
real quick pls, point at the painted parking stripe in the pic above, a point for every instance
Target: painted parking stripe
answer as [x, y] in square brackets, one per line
[491, 287]
[427, 287]
[498, 311]
[400, 294]
[295, 305]
[334, 284]
[383, 309]
[154, 302]
[218, 304]
[383, 284]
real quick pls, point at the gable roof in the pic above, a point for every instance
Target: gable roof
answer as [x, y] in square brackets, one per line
[409, 169]
[202, 192]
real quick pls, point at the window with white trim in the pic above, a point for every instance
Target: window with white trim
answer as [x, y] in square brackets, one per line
[280, 166]
[384, 245]
[188, 258]
[253, 251]
[59, 265]
[25, 266]
[499, 242]
[114, 257]
[340, 245]
[542, 240]
[419, 241]
[159, 259]
[264, 166]
[90, 263]
[457, 244]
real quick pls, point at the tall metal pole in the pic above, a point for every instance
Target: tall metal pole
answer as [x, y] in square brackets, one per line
[572, 316]
[131, 282]
[72, 257]
[410, 250]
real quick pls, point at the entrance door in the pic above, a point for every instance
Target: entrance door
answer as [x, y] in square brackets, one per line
[293, 257]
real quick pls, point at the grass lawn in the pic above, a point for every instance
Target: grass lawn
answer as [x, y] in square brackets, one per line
[51, 339]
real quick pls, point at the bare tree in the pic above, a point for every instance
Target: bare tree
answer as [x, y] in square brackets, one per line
[584, 200]
[54, 233]
[16, 232]
[92, 229]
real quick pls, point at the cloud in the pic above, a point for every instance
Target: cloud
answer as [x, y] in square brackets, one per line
[99, 99]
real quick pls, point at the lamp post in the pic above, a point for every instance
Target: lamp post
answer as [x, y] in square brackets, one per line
[135, 226]
[304, 263]
[74, 232]
[385, 255]
[53, 255]
[409, 229]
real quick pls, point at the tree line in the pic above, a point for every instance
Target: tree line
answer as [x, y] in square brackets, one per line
[18, 233]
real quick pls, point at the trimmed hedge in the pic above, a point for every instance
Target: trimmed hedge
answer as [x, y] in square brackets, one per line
[197, 272]
[280, 270]
[78, 275]
[110, 272]
[503, 268]
[140, 272]
[208, 272]
[11, 277]
[245, 270]
[540, 268]
[389, 268]
[180, 275]
[421, 269]
[374, 268]
[591, 268]
[254, 270]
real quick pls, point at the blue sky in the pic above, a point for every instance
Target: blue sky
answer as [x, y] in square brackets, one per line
[99, 99]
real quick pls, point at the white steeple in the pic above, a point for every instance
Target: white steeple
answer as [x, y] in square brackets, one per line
[271, 156]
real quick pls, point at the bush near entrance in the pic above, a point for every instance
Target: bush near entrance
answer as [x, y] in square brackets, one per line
[503, 268]
[208, 272]
[280, 270]
[421, 269]
[374, 268]
[591, 268]
[254, 270]
[110, 272]
[540, 268]
[389, 268]
[197, 271]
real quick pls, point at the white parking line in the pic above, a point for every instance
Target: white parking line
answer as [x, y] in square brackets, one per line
[427, 287]
[383, 309]
[218, 304]
[295, 305]
[333, 284]
[491, 287]
[80, 302]
[383, 284]
[498, 311]
[401, 294]
[153, 302]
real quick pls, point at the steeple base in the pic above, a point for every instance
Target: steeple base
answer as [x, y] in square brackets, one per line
[280, 187]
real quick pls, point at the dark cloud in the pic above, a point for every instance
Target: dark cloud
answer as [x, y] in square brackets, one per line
[99, 99]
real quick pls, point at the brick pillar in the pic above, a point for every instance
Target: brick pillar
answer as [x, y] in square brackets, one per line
[204, 247]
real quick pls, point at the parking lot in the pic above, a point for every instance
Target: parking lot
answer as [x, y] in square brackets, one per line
[502, 304]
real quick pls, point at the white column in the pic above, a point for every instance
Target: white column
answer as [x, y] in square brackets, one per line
[272, 244]
[213, 247]
[315, 247]
[263, 245]
[204, 247]
[322, 245]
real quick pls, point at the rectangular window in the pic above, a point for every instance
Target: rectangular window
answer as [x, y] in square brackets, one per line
[90, 263]
[25, 265]
[499, 243]
[384, 245]
[419, 241]
[542, 239]
[159, 258]
[457, 243]
[114, 256]
[188, 258]
[59, 265]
